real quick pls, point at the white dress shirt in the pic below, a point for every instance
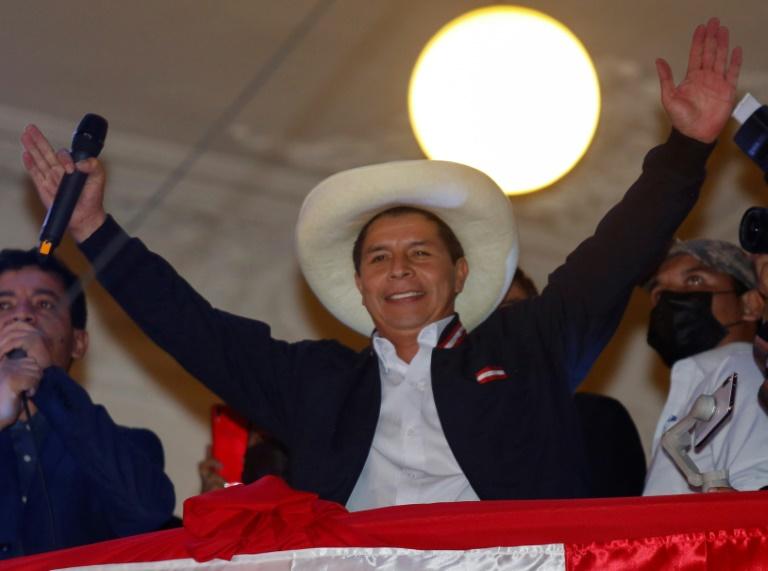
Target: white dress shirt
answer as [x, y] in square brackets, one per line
[740, 445]
[410, 461]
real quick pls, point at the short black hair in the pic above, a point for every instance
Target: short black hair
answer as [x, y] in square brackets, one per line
[526, 285]
[524, 282]
[12, 259]
[455, 249]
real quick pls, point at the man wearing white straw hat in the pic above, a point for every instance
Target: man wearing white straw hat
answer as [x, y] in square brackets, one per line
[453, 400]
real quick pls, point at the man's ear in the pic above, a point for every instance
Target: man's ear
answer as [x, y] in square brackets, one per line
[752, 305]
[462, 272]
[80, 346]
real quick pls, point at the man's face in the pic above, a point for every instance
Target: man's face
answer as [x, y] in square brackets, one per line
[35, 301]
[684, 273]
[406, 277]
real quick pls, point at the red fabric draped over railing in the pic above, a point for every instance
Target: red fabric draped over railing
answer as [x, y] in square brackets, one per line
[714, 531]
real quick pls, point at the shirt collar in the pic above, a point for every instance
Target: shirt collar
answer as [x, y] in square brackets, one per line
[428, 338]
[709, 361]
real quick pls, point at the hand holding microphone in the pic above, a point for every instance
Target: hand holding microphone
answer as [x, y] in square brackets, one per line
[59, 181]
[19, 377]
[24, 355]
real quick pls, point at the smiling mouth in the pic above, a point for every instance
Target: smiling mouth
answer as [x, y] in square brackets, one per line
[404, 295]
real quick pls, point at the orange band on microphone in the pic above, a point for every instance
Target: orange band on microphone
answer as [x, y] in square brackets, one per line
[45, 247]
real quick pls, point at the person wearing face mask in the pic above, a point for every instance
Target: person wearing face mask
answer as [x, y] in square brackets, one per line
[706, 309]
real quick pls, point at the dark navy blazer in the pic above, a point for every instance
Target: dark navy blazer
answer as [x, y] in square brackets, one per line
[515, 435]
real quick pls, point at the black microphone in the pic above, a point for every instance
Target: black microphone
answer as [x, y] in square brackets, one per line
[87, 142]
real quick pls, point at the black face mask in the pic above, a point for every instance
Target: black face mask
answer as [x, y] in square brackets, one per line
[682, 325]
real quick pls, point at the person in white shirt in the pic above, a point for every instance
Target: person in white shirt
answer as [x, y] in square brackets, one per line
[705, 314]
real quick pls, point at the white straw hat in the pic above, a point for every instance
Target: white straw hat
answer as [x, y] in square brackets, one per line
[467, 200]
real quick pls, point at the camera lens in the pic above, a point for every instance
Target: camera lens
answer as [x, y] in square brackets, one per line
[753, 230]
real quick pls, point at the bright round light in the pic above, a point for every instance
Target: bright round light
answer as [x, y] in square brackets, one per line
[509, 91]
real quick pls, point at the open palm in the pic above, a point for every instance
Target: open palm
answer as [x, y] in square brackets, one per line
[701, 104]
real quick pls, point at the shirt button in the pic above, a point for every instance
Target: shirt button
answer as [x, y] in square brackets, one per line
[27, 458]
[23, 499]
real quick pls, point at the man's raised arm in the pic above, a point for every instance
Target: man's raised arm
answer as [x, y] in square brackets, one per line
[595, 283]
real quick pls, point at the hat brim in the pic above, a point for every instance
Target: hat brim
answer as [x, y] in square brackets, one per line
[473, 206]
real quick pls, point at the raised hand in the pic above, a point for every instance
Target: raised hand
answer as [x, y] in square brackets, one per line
[701, 104]
[210, 479]
[47, 167]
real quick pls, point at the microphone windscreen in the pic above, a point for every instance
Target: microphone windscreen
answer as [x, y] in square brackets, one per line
[88, 139]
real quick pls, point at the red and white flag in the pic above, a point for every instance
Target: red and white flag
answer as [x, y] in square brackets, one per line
[268, 526]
